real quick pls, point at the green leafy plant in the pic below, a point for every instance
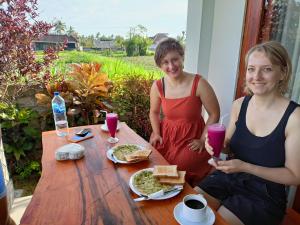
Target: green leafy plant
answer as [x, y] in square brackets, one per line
[131, 99]
[20, 129]
[28, 169]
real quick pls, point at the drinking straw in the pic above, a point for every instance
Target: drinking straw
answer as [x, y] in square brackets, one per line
[222, 118]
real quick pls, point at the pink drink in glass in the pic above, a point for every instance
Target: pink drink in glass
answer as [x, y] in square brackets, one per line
[112, 122]
[216, 135]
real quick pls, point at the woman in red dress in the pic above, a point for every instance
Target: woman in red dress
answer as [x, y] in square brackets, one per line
[180, 135]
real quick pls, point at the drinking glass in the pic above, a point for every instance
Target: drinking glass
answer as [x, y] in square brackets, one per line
[216, 135]
[112, 123]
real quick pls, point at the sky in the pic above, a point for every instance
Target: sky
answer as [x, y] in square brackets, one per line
[117, 16]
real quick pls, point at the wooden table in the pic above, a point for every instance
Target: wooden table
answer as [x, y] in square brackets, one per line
[94, 190]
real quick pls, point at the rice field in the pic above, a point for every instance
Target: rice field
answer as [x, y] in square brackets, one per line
[115, 67]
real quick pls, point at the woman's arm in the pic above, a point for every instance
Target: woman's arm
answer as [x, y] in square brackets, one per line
[155, 103]
[235, 111]
[290, 173]
[211, 105]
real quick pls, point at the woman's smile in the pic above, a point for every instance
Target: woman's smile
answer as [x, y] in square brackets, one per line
[262, 76]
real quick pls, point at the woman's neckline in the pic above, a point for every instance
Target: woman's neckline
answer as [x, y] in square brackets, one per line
[272, 131]
[180, 98]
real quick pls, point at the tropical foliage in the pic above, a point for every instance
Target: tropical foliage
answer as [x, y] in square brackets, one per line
[85, 89]
[18, 64]
[20, 130]
[131, 99]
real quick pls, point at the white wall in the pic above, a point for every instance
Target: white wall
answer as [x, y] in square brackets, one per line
[218, 44]
[225, 50]
[192, 48]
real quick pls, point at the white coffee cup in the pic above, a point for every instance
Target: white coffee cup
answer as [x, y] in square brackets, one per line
[194, 207]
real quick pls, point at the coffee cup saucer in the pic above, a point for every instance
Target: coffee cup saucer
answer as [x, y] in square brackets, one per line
[208, 220]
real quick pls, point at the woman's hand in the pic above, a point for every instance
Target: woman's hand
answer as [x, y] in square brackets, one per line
[154, 139]
[196, 145]
[208, 148]
[231, 166]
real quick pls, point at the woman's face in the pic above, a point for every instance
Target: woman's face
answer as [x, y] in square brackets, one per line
[172, 64]
[262, 77]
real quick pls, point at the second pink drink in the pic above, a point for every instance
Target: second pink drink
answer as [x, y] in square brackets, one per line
[216, 135]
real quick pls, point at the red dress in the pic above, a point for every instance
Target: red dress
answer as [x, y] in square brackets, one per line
[181, 124]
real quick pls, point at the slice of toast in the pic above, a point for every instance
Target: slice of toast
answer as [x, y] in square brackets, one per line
[165, 171]
[138, 155]
[173, 180]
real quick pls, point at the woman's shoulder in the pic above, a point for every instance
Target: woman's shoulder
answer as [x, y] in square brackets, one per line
[189, 76]
[157, 82]
[238, 102]
[236, 106]
[292, 127]
[156, 86]
[295, 116]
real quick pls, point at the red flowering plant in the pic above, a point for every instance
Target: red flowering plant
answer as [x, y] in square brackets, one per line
[18, 63]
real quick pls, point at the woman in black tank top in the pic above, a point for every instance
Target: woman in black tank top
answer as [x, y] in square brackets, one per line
[263, 135]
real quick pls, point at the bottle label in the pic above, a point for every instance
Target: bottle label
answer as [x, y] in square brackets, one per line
[58, 108]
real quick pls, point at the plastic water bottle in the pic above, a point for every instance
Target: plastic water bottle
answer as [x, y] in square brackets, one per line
[59, 113]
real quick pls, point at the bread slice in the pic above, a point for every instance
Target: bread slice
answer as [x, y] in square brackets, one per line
[173, 180]
[165, 171]
[138, 155]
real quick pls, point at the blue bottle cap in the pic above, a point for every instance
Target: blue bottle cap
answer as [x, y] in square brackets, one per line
[56, 93]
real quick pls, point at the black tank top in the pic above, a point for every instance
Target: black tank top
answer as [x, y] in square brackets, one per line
[267, 151]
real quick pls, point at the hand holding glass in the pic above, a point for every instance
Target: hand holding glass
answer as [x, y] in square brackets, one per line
[112, 123]
[216, 136]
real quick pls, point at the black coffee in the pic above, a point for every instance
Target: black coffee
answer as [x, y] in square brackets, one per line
[194, 204]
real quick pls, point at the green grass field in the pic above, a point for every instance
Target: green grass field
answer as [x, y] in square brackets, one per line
[115, 67]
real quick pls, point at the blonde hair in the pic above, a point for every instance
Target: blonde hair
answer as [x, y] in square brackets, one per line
[278, 55]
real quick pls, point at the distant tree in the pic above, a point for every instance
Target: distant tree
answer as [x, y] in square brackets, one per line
[19, 26]
[59, 27]
[119, 40]
[72, 32]
[141, 30]
[181, 38]
[106, 38]
[87, 41]
[131, 32]
[137, 42]
[98, 35]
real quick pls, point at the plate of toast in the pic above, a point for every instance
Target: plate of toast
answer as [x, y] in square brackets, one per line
[151, 180]
[128, 153]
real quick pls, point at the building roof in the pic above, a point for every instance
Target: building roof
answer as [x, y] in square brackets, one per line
[56, 38]
[104, 44]
[158, 37]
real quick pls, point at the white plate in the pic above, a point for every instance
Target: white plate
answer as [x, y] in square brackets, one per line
[104, 127]
[209, 220]
[136, 191]
[111, 151]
